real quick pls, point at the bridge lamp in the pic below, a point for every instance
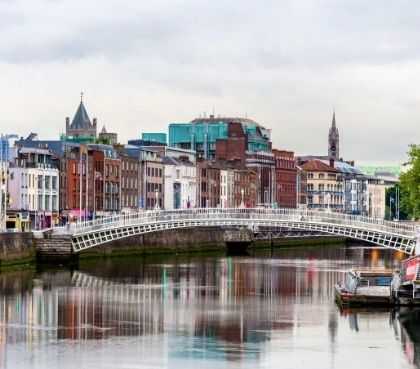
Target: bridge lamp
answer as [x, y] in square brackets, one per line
[242, 198]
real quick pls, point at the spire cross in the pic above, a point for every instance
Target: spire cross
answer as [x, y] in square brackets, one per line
[81, 96]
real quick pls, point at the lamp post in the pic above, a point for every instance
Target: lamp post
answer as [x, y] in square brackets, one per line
[242, 198]
[157, 199]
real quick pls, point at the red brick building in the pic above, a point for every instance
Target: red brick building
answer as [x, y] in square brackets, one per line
[245, 181]
[286, 179]
[208, 184]
[98, 192]
[234, 147]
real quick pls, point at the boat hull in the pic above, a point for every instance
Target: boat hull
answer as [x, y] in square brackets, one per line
[346, 298]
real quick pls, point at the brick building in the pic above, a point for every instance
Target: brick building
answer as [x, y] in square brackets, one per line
[208, 185]
[130, 180]
[286, 178]
[98, 192]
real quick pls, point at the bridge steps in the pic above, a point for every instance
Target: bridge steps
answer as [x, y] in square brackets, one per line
[54, 248]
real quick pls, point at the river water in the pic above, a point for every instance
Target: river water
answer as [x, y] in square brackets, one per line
[269, 310]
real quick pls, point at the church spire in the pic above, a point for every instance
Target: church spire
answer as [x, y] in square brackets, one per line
[333, 140]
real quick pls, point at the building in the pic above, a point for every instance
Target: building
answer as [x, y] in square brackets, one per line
[34, 186]
[286, 179]
[208, 189]
[4, 170]
[238, 188]
[180, 183]
[81, 129]
[92, 181]
[333, 141]
[107, 138]
[325, 186]
[301, 188]
[354, 181]
[153, 177]
[130, 180]
[376, 199]
[202, 135]
[155, 138]
[264, 166]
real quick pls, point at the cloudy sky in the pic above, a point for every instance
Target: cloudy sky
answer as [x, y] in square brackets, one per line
[286, 64]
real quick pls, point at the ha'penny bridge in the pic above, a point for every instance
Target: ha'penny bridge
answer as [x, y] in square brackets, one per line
[85, 235]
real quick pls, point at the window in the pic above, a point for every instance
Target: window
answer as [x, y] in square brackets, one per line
[40, 182]
[40, 203]
[47, 182]
[321, 175]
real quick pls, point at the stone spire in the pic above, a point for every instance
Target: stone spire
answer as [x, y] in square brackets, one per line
[333, 140]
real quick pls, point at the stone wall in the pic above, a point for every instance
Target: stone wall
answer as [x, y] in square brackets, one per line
[171, 241]
[16, 248]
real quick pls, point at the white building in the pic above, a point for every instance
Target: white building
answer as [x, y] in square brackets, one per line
[34, 186]
[376, 197]
[227, 188]
[180, 183]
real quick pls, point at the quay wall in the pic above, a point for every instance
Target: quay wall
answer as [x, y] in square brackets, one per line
[23, 248]
[16, 248]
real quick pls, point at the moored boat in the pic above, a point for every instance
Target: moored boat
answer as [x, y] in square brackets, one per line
[361, 287]
[406, 285]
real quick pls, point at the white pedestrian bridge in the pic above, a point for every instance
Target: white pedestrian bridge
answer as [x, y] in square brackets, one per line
[395, 235]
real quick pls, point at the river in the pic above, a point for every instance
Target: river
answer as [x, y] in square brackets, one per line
[269, 310]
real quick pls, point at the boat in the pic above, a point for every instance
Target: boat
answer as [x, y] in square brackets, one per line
[365, 288]
[406, 285]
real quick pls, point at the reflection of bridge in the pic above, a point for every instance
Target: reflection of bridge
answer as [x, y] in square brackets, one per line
[89, 234]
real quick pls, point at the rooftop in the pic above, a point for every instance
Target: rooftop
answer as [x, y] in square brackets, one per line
[318, 166]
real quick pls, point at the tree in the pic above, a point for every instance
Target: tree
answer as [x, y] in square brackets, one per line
[410, 184]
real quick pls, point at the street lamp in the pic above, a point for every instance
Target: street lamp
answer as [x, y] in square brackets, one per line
[242, 199]
[157, 199]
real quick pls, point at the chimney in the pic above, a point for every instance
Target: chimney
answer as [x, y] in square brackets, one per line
[332, 162]
[94, 122]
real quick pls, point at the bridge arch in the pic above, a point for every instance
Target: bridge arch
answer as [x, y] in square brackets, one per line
[392, 235]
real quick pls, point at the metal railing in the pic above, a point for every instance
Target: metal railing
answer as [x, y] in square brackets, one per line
[257, 215]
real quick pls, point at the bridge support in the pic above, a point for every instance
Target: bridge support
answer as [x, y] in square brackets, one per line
[54, 249]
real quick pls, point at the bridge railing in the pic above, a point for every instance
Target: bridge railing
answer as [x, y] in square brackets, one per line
[258, 215]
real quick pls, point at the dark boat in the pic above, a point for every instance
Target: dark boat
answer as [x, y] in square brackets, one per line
[365, 288]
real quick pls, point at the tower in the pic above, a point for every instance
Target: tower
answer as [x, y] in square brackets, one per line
[333, 141]
[81, 127]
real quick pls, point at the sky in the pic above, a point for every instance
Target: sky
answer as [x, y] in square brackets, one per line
[286, 64]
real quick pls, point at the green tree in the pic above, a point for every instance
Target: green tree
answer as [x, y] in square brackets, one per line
[410, 184]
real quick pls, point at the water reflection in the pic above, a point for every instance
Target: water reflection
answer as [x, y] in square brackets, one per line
[182, 312]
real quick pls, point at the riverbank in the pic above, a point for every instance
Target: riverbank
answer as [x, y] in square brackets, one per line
[20, 249]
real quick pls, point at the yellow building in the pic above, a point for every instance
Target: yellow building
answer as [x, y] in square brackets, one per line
[325, 189]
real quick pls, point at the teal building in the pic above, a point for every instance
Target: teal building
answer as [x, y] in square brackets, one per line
[201, 135]
[154, 137]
